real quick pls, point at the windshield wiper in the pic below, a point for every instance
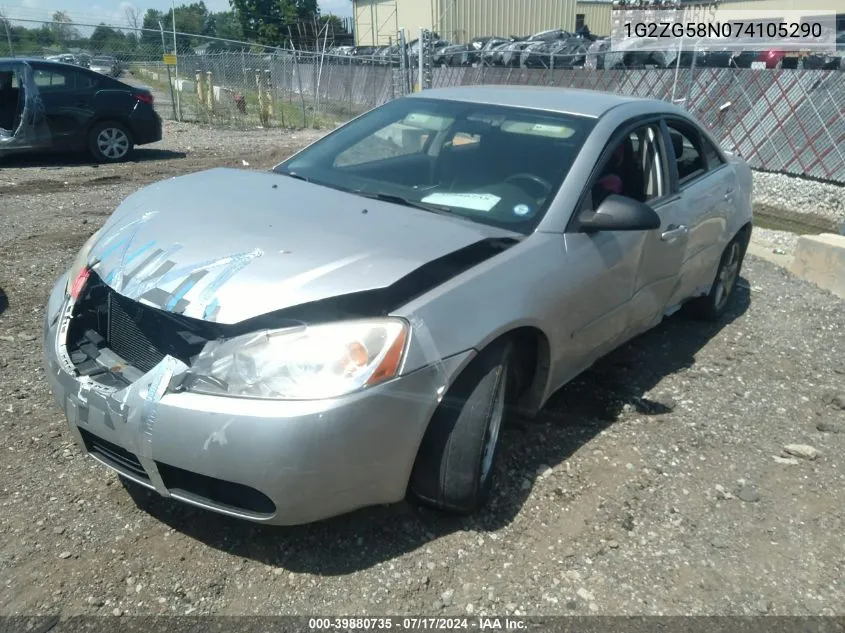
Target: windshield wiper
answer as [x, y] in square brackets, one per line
[395, 199]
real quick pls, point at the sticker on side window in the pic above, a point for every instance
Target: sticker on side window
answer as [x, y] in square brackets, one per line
[473, 201]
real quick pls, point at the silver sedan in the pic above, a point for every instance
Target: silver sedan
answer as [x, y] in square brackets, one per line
[356, 325]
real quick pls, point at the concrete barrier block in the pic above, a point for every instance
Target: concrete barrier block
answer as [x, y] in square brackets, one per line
[183, 85]
[820, 259]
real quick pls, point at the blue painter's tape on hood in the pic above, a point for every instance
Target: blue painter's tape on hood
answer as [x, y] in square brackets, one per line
[225, 245]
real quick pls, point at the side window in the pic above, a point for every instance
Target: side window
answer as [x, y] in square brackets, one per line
[392, 141]
[53, 80]
[633, 166]
[686, 146]
[711, 154]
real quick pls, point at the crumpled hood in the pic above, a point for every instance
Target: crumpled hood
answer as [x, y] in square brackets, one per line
[227, 245]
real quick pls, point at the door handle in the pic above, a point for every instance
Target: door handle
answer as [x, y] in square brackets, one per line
[673, 232]
[728, 194]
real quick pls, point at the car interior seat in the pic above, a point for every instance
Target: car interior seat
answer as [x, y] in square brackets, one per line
[463, 166]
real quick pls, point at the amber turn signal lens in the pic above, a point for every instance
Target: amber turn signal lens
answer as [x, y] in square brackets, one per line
[389, 365]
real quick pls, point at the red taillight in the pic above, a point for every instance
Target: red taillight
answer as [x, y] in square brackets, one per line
[79, 282]
[145, 97]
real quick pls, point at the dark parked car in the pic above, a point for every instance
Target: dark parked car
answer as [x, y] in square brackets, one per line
[511, 54]
[551, 35]
[53, 106]
[828, 60]
[105, 65]
[569, 53]
[481, 46]
[462, 54]
[488, 51]
[493, 57]
[445, 54]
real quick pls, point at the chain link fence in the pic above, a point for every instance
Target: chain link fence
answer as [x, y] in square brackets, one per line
[786, 121]
[781, 120]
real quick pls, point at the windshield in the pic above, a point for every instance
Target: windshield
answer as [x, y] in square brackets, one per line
[489, 164]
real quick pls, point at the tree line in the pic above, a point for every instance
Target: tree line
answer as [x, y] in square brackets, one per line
[277, 23]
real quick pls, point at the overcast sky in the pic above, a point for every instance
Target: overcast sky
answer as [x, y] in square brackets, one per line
[114, 12]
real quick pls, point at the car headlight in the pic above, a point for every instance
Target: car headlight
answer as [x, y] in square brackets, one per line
[78, 273]
[303, 362]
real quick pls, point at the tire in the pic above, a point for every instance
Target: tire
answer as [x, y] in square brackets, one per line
[712, 306]
[454, 466]
[110, 142]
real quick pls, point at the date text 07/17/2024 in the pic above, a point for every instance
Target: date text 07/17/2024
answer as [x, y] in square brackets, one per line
[482, 623]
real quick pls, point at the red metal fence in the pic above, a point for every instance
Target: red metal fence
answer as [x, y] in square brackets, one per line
[788, 121]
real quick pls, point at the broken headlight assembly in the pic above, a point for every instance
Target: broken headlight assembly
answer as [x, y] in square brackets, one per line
[301, 363]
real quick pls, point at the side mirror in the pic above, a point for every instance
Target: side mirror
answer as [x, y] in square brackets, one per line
[620, 213]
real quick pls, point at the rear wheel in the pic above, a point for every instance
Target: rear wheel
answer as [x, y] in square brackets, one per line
[713, 305]
[110, 142]
[455, 463]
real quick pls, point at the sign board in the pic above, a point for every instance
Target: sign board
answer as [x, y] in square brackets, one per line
[169, 60]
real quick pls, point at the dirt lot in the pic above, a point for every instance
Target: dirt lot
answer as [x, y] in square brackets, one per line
[652, 485]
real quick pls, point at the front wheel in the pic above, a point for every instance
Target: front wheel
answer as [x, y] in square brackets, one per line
[713, 305]
[110, 142]
[454, 466]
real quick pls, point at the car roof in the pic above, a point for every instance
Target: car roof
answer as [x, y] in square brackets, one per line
[588, 103]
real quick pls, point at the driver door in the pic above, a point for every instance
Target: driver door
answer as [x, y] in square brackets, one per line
[619, 281]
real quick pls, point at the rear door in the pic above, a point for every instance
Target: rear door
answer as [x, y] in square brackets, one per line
[69, 102]
[57, 86]
[706, 185]
[663, 251]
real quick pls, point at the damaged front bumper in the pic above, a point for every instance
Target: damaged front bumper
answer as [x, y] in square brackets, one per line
[278, 462]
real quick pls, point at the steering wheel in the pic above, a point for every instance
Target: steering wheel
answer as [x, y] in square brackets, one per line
[545, 184]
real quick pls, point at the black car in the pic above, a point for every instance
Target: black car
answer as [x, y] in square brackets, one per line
[511, 54]
[568, 53]
[61, 107]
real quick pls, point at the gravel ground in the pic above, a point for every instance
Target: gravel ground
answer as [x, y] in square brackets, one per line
[657, 483]
[804, 197]
[782, 242]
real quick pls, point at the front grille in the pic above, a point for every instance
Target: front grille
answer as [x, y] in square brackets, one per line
[115, 456]
[139, 334]
[125, 337]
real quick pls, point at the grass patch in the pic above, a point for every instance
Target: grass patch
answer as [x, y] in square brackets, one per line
[287, 111]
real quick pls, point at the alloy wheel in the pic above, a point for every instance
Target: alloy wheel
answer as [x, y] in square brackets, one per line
[113, 143]
[728, 274]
